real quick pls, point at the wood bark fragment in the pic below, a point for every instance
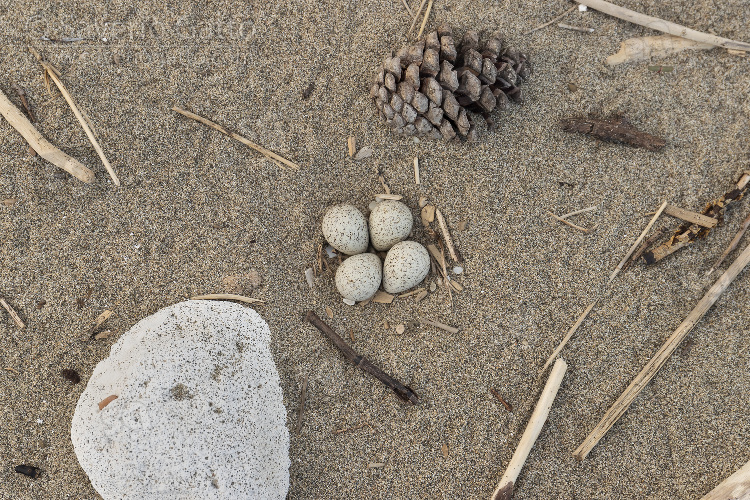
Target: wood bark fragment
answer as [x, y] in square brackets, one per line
[405, 393]
[642, 248]
[352, 145]
[690, 216]
[54, 75]
[12, 313]
[504, 490]
[382, 297]
[614, 130]
[654, 365]
[416, 170]
[688, 233]
[41, 145]
[98, 322]
[661, 25]
[237, 137]
[637, 242]
[104, 402]
[735, 487]
[646, 47]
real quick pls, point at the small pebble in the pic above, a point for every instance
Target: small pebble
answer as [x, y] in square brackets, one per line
[330, 252]
[582, 8]
[400, 329]
[458, 270]
[349, 302]
[433, 286]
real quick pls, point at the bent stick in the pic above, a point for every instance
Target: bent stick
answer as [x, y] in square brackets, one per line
[42, 146]
[403, 392]
[639, 383]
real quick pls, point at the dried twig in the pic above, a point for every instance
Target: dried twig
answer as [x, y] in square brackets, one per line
[688, 233]
[416, 16]
[447, 236]
[736, 486]
[12, 313]
[403, 392]
[265, 152]
[642, 248]
[22, 95]
[567, 222]
[41, 145]
[352, 145]
[416, 170]
[504, 490]
[654, 365]
[356, 427]
[408, 9]
[570, 333]
[500, 398]
[303, 395]
[575, 28]
[54, 74]
[426, 16]
[413, 292]
[578, 212]
[637, 242]
[553, 20]
[228, 296]
[662, 25]
[437, 324]
[735, 241]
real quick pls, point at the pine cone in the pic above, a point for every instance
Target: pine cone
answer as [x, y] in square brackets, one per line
[419, 92]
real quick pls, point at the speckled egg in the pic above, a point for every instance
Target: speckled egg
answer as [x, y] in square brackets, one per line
[390, 222]
[406, 265]
[345, 228]
[359, 276]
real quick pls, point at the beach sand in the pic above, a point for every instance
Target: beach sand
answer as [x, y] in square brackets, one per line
[195, 207]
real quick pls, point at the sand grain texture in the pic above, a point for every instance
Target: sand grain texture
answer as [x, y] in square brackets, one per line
[195, 207]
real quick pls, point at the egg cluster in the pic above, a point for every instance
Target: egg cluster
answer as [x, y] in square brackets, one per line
[359, 276]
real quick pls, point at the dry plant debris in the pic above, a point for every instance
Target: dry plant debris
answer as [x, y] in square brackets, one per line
[644, 48]
[278, 160]
[228, 296]
[41, 145]
[12, 313]
[655, 364]
[661, 25]
[382, 297]
[54, 74]
[104, 402]
[404, 393]
[617, 130]
[732, 245]
[553, 20]
[688, 233]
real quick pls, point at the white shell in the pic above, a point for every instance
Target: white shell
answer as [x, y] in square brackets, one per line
[359, 276]
[390, 222]
[406, 265]
[345, 228]
[199, 412]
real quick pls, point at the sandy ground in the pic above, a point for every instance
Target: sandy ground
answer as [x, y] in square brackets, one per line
[196, 207]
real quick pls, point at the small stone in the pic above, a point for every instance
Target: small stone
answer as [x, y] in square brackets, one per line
[432, 41]
[434, 115]
[432, 89]
[448, 49]
[458, 270]
[400, 329]
[430, 63]
[390, 82]
[412, 75]
[420, 102]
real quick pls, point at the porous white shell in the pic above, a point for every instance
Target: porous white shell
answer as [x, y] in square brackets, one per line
[406, 265]
[390, 222]
[199, 412]
[345, 228]
[359, 276]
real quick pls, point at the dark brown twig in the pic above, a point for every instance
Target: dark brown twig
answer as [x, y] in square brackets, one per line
[614, 130]
[24, 102]
[500, 398]
[403, 392]
[642, 248]
[302, 398]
